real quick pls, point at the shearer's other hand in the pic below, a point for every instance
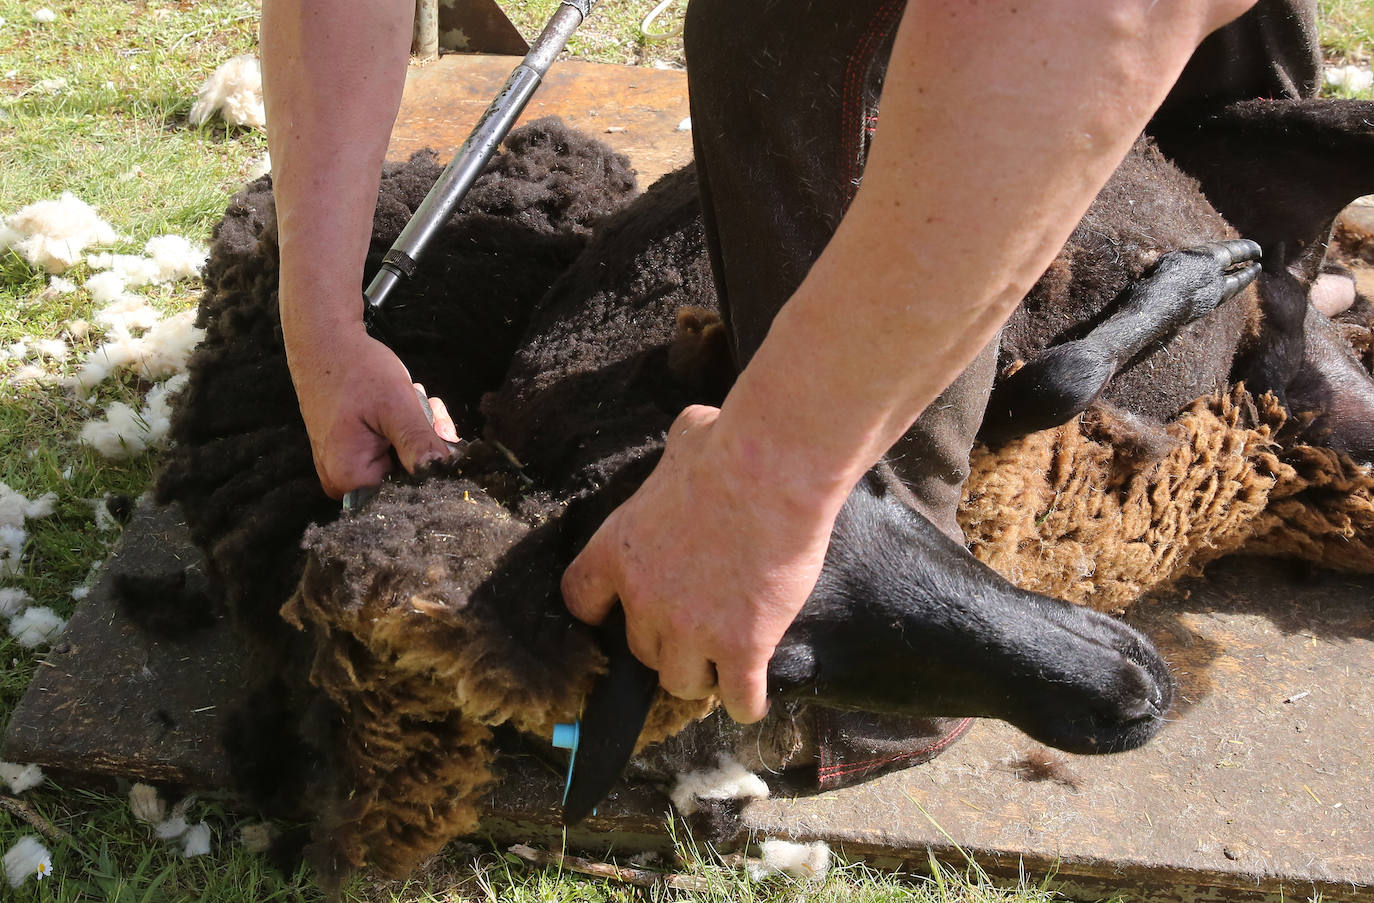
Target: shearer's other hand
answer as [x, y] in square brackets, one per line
[358, 403]
[711, 563]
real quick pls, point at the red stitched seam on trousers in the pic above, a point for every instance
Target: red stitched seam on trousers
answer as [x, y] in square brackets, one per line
[856, 71]
[841, 769]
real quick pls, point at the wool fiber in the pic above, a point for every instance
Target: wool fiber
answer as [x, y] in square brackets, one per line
[20, 778]
[161, 351]
[146, 804]
[124, 432]
[44, 16]
[109, 287]
[15, 508]
[54, 234]
[165, 258]
[196, 840]
[59, 286]
[234, 91]
[12, 541]
[12, 601]
[27, 858]
[729, 780]
[172, 828]
[808, 861]
[37, 626]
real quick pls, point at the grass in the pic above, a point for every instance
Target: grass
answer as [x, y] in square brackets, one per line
[96, 102]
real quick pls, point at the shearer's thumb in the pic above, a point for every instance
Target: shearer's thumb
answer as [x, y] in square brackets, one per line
[411, 432]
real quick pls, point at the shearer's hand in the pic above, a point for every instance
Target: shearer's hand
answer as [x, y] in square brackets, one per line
[711, 563]
[358, 403]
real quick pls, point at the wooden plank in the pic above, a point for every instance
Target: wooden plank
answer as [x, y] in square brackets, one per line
[637, 111]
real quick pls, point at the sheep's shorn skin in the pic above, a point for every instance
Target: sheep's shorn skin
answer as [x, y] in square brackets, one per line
[433, 615]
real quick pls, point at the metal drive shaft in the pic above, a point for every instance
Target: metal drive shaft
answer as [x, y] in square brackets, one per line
[458, 177]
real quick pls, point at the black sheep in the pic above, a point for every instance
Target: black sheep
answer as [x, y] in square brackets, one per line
[434, 613]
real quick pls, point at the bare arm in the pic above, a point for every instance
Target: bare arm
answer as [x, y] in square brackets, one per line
[1000, 122]
[333, 71]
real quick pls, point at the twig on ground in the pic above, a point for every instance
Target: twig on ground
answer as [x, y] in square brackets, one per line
[40, 824]
[635, 876]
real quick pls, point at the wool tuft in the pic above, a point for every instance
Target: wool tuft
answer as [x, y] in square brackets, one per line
[165, 258]
[171, 828]
[37, 626]
[56, 349]
[44, 16]
[20, 778]
[1355, 79]
[54, 234]
[146, 804]
[160, 352]
[108, 287]
[15, 508]
[124, 432]
[797, 860]
[12, 601]
[196, 841]
[28, 857]
[729, 780]
[12, 541]
[234, 91]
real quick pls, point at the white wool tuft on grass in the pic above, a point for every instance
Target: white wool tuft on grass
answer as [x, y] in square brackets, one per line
[34, 627]
[28, 857]
[56, 349]
[196, 841]
[1355, 79]
[165, 258]
[54, 234]
[161, 351]
[20, 778]
[44, 16]
[108, 288]
[59, 286]
[13, 600]
[798, 860]
[12, 541]
[729, 780]
[171, 828]
[234, 91]
[100, 513]
[146, 804]
[124, 432]
[15, 508]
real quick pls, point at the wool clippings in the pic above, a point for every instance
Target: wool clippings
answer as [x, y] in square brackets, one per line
[234, 91]
[37, 626]
[729, 780]
[147, 805]
[28, 857]
[13, 600]
[809, 861]
[54, 234]
[44, 16]
[124, 432]
[196, 841]
[20, 778]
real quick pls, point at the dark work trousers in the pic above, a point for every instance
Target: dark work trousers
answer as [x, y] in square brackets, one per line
[784, 98]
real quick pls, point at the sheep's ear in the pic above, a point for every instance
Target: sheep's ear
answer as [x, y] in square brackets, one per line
[1278, 170]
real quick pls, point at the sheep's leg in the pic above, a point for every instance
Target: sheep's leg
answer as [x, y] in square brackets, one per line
[1334, 385]
[1063, 380]
[904, 620]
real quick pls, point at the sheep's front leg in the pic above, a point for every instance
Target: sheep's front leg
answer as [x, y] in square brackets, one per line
[1062, 381]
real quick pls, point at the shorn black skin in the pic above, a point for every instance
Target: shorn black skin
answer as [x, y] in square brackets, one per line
[904, 620]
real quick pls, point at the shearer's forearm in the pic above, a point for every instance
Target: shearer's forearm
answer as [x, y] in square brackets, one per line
[999, 123]
[333, 73]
